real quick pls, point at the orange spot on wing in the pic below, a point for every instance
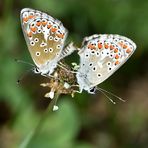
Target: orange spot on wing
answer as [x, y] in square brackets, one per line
[60, 35]
[31, 16]
[106, 46]
[117, 62]
[29, 34]
[91, 46]
[49, 25]
[25, 19]
[120, 43]
[111, 47]
[128, 50]
[54, 29]
[100, 46]
[38, 23]
[33, 29]
[116, 56]
[44, 23]
[124, 46]
[115, 50]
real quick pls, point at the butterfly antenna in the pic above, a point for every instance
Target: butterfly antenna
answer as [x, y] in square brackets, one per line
[105, 92]
[24, 62]
[107, 96]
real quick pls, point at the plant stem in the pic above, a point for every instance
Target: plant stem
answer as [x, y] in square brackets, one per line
[35, 131]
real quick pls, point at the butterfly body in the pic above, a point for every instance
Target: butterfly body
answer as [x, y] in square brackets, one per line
[45, 38]
[100, 56]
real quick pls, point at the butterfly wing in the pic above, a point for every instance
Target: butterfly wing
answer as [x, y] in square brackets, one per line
[101, 56]
[45, 37]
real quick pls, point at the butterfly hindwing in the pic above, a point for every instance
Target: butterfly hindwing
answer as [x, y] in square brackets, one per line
[44, 35]
[100, 56]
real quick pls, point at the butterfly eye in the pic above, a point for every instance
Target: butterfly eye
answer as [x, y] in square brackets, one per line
[92, 90]
[36, 70]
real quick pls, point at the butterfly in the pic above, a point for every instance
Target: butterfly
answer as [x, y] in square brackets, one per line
[100, 56]
[45, 37]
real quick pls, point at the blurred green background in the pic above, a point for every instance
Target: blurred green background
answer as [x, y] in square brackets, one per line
[85, 121]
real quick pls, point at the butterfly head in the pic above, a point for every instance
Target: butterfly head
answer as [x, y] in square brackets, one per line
[36, 70]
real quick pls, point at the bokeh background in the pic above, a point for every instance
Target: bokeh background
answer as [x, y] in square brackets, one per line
[85, 121]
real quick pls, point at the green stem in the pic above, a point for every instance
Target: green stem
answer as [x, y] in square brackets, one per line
[35, 131]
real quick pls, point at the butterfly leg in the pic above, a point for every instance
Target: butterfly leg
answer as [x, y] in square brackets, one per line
[62, 66]
[75, 66]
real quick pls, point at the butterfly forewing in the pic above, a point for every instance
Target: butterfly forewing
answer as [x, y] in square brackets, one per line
[101, 56]
[44, 35]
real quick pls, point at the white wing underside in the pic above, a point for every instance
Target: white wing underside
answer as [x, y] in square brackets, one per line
[96, 65]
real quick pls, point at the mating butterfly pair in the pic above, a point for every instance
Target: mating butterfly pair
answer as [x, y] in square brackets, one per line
[100, 55]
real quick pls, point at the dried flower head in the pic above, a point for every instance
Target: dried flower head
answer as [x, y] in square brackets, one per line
[63, 81]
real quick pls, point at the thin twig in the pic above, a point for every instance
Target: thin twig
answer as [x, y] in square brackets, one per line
[35, 131]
